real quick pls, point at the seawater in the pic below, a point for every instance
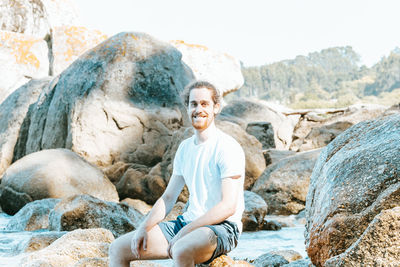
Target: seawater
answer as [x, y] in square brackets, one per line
[251, 244]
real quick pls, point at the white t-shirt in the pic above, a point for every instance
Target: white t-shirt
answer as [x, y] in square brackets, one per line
[203, 166]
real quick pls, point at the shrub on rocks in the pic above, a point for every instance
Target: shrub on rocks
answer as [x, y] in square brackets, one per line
[355, 178]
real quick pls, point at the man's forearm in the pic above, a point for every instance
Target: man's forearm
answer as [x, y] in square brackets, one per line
[160, 209]
[217, 214]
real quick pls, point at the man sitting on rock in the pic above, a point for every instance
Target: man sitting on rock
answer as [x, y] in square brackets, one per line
[211, 164]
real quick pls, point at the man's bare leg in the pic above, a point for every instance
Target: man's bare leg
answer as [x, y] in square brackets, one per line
[196, 247]
[120, 250]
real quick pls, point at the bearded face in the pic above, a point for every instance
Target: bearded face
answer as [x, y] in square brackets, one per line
[202, 109]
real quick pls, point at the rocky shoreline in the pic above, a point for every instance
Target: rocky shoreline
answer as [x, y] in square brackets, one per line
[84, 154]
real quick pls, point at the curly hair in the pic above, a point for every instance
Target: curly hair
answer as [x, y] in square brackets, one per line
[215, 95]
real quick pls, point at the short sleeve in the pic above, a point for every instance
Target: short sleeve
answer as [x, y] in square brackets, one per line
[177, 169]
[231, 160]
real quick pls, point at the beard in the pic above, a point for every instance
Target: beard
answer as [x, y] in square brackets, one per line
[201, 123]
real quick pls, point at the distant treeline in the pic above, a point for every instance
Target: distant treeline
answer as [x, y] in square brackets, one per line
[330, 78]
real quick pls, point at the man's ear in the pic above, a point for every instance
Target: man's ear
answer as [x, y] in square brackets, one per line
[217, 108]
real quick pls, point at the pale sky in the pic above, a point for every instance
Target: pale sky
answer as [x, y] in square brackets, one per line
[256, 31]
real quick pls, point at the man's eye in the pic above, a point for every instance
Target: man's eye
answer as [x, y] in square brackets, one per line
[204, 104]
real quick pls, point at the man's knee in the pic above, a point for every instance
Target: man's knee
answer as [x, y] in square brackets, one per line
[181, 251]
[120, 251]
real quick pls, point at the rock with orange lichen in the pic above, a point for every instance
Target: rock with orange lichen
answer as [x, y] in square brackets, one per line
[226, 261]
[118, 102]
[221, 69]
[22, 58]
[70, 42]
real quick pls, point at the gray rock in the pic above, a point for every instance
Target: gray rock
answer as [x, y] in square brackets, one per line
[254, 212]
[246, 111]
[264, 133]
[288, 254]
[284, 184]
[36, 17]
[321, 136]
[33, 216]
[273, 155]
[351, 115]
[299, 263]
[12, 114]
[53, 173]
[354, 179]
[270, 260]
[85, 212]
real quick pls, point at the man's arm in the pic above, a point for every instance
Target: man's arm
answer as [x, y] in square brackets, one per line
[160, 209]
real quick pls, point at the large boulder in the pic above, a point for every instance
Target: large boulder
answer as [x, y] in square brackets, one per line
[33, 216]
[254, 211]
[12, 113]
[70, 42]
[221, 69]
[71, 248]
[84, 212]
[245, 111]
[117, 102]
[284, 184]
[379, 245]
[354, 179]
[22, 57]
[53, 173]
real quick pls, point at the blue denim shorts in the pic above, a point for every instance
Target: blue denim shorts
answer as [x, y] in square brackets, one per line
[227, 234]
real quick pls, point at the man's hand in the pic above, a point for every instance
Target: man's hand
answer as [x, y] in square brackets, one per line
[140, 238]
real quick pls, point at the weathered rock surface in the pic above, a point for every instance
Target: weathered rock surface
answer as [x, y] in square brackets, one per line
[22, 57]
[53, 173]
[284, 184]
[299, 263]
[123, 103]
[321, 136]
[12, 113]
[272, 260]
[264, 133]
[221, 69]
[40, 240]
[33, 216]
[355, 178]
[246, 111]
[320, 119]
[138, 205]
[72, 247]
[70, 42]
[84, 212]
[379, 245]
[289, 255]
[254, 212]
[36, 17]
[273, 155]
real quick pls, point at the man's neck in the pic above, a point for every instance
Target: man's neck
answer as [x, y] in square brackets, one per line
[203, 135]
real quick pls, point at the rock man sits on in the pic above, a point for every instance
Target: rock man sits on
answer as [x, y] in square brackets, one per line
[212, 165]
